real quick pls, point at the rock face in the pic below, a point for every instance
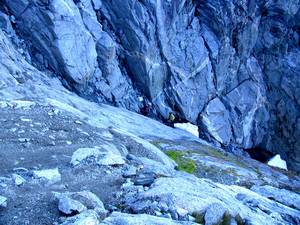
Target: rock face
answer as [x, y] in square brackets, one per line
[68, 160]
[230, 67]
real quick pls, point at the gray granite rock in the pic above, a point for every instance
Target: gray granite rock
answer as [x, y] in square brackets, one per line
[129, 219]
[215, 118]
[87, 217]
[282, 196]
[104, 155]
[70, 206]
[3, 201]
[71, 203]
[181, 56]
[214, 214]
[197, 196]
[51, 176]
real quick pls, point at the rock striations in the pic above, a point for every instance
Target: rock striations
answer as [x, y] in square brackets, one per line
[230, 67]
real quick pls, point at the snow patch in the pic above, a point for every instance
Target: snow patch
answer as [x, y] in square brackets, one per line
[276, 161]
[191, 128]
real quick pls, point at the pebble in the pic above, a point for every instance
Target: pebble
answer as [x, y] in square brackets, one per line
[78, 122]
[25, 120]
[24, 140]
[19, 180]
[3, 201]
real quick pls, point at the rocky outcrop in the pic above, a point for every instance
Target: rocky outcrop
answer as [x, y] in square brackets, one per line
[67, 160]
[229, 67]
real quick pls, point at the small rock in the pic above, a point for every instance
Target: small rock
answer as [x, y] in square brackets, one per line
[111, 159]
[78, 122]
[182, 212]
[52, 137]
[88, 217]
[145, 179]
[69, 142]
[69, 206]
[51, 175]
[102, 156]
[24, 140]
[214, 214]
[17, 104]
[82, 154]
[129, 171]
[19, 180]
[25, 120]
[72, 202]
[3, 201]
[191, 218]
[53, 112]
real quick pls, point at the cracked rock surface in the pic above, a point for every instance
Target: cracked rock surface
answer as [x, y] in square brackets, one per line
[231, 67]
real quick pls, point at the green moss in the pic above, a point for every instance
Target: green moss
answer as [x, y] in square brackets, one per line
[184, 164]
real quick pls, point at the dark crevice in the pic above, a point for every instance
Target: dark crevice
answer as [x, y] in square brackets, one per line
[260, 154]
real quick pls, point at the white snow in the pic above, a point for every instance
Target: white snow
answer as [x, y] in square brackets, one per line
[276, 161]
[191, 128]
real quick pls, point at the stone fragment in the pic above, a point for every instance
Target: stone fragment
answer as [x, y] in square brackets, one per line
[19, 180]
[88, 217]
[69, 206]
[50, 175]
[77, 202]
[3, 201]
[214, 214]
[101, 155]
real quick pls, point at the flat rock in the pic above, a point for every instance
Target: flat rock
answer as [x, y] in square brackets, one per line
[101, 155]
[82, 154]
[283, 196]
[50, 175]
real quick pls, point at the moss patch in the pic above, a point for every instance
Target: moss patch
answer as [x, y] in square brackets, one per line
[184, 164]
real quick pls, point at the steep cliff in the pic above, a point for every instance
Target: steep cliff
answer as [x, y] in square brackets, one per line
[66, 158]
[231, 67]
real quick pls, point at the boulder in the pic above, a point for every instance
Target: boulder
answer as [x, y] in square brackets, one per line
[87, 217]
[282, 196]
[129, 219]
